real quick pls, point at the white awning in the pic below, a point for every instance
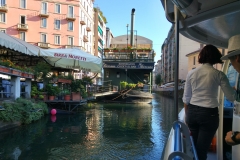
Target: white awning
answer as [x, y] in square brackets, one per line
[72, 58]
[18, 45]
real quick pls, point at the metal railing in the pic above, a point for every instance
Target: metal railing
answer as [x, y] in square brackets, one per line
[70, 15]
[22, 26]
[44, 12]
[183, 143]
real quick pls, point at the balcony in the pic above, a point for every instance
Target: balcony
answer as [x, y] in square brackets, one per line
[82, 22]
[85, 38]
[22, 27]
[3, 8]
[88, 29]
[44, 13]
[72, 46]
[71, 17]
[43, 45]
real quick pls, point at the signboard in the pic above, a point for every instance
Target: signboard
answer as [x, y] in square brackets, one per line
[69, 56]
[128, 65]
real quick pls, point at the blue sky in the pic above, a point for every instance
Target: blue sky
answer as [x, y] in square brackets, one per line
[150, 20]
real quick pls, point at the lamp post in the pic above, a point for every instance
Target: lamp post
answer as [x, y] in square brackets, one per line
[127, 35]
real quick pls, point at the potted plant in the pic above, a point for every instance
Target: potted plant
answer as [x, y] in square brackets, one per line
[67, 95]
[106, 50]
[76, 86]
[52, 91]
[34, 92]
[115, 50]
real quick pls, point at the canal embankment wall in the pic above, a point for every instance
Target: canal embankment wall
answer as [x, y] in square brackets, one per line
[169, 93]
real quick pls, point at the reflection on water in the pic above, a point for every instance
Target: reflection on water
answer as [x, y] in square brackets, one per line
[104, 131]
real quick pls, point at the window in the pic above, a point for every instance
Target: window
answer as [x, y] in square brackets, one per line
[70, 41]
[44, 38]
[70, 11]
[194, 59]
[22, 19]
[2, 2]
[57, 24]
[57, 39]
[57, 8]
[70, 26]
[44, 8]
[2, 17]
[22, 36]
[22, 3]
[44, 22]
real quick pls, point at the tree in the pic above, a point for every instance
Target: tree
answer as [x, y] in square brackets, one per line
[158, 79]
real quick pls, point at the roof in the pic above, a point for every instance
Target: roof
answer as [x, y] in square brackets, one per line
[123, 39]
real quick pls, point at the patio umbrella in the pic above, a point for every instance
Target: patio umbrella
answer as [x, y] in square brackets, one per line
[72, 58]
[18, 45]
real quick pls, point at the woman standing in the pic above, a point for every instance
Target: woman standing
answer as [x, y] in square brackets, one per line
[201, 98]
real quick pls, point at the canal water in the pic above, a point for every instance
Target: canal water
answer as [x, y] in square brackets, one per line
[100, 131]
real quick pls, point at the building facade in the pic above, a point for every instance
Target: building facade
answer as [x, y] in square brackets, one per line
[168, 56]
[55, 24]
[49, 24]
[130, 65]
[193, 60]
[99, 33]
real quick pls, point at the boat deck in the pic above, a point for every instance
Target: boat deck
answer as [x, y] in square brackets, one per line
[104, 93]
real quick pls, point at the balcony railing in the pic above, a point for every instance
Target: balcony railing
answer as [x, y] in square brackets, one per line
[85, 38]
[72, 46]
[88, 29]
[22, 27]
[43, 45]
[71, 17]
[44, 13]
[3, 8]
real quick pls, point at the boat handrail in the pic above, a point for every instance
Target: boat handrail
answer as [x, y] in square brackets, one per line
[183, 143]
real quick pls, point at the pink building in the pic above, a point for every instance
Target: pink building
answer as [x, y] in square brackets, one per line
[48, 24]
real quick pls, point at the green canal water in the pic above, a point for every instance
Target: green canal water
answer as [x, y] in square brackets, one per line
[102, 131]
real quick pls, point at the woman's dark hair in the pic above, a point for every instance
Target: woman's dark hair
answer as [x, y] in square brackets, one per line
[210, 54]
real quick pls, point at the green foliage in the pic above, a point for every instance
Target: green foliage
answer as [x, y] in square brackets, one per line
[40, 96]
[84, 94]
[52, 90]
[41, 70]
[23, 110]
[66, 92]
[76, 85]
[131, 85]
[158, 79]
[69, 76]
[86, 80]
[34, 91]
[123, 84]
[101, 14]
